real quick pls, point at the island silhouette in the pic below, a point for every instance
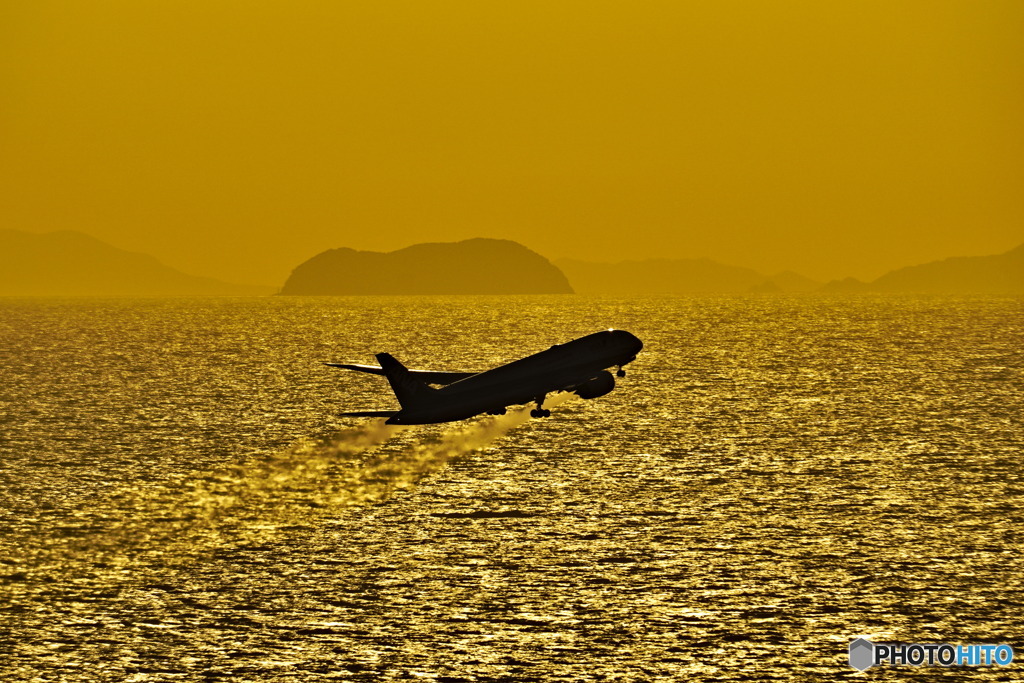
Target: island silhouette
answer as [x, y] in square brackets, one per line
[474, 266]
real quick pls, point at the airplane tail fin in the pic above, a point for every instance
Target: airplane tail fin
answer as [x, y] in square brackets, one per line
[408, 389]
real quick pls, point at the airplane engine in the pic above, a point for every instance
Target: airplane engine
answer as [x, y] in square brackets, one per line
[598, 386]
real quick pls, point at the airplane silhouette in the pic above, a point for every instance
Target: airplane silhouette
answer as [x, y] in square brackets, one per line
[579, 366]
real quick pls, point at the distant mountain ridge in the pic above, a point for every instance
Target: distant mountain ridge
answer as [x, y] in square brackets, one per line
[70, 263]
[474, 266]
[997, 274]
[1000, 274]
[677, 276]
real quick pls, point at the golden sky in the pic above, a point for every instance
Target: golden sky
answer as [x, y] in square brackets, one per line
[238, 138]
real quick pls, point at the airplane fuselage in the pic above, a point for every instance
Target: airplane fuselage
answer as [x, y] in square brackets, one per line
[559, 368]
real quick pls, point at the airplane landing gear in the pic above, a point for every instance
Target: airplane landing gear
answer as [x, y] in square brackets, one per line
[620, 372]
[539, 411]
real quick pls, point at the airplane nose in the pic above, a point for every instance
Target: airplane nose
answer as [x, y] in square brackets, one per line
[628, 341]
[637, 344]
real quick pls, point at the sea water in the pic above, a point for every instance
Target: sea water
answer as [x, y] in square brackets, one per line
[773, 478]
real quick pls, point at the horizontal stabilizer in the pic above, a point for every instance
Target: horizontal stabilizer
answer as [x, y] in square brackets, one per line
[428, 376]
[370, 413]
[372, 369]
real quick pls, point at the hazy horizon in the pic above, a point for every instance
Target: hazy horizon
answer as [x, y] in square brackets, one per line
[244, 274]
[276, 284]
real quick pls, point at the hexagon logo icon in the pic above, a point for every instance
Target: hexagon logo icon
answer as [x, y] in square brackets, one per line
[862, 654]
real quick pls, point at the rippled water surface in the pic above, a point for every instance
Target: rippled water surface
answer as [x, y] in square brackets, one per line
[774, 477]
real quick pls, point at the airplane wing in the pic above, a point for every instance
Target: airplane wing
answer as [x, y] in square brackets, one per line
[428, 376]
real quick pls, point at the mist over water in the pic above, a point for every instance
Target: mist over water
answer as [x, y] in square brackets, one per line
[773, 478]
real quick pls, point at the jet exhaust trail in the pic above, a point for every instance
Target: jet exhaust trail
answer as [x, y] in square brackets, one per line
[302, 468]
[328, 473]
[380, 478]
